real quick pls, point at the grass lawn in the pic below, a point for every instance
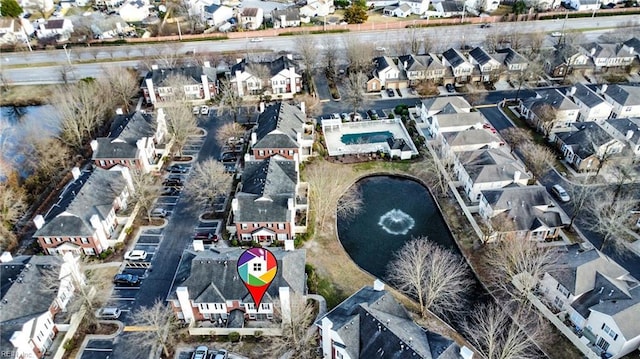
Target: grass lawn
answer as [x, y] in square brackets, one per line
[26, 95]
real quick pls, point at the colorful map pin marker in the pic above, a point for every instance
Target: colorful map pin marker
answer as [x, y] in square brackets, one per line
[257, 267]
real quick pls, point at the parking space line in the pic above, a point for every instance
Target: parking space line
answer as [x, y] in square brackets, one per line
[98, 349]
[151, 234]
[126, 288]
[127, 299]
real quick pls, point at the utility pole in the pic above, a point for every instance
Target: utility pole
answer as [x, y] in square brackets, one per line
[68, 53]
[179, 32]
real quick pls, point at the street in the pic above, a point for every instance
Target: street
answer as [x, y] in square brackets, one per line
[44, 66]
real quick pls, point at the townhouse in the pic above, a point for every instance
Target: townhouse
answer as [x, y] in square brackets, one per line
[549, 111]
[522, 213]
[421, 67]
[206, 291]
[34, 290]
[592, 107]
[625, 130]
[586, 146]
[85, 218]
[488, 67]
[461, 69]
[599, 299]
[277, 79]
[624, 98]
[134, 141]
[200, 84]
[605, 56]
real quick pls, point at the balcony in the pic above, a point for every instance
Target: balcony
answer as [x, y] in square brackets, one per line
[302, 197]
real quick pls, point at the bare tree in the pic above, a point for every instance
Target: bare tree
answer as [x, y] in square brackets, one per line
[514, 258]
[356, 96]
[580, 195]
[162, 327]
[123, 85]
[538, 158]
[534, 42]
[299, 338]
[329, 56]
[611, 220]
[547, 116]
[515, 137]
[307, 47]
[312, 104]
[228, 130]
[145, 191]
[45, 155]
[181, 123]
[359, 54]
[66, 74]
[499, 227]
[12, 208]
[208, 181]
[437, 180]
[230, 100]
[436, 277]
[331, 191]
[532, 72]
[496, 335]
[83, 108]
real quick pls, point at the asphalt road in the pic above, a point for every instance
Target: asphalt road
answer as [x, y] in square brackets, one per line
[52, 60]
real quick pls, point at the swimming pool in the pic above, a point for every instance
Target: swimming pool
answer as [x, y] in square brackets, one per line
[367, 137]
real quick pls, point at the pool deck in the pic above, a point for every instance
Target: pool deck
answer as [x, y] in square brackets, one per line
[334, 130]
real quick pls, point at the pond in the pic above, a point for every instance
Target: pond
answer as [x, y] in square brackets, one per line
[19, 123]
[395, 210]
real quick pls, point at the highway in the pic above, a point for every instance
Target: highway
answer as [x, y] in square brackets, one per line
[44, 66]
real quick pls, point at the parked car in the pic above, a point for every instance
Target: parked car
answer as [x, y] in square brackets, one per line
[201, 352]
[172, 182]
[344, 116]
[235, 141]
[204, 110]
[178, 169]
[355, 116]
[256, 39]
[228, 157]
[108, 313]
[159, 212]
[129, 280]
[450, 88]
[560, 193]
[222, 354]
[556, 34]
[205, 237]
[489, 127]
[135, 255]
[196, 110]
[373, 114]
[390, 93]
[485, 26]
[170, 191]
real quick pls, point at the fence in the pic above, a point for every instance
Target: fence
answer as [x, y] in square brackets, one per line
[241, 331]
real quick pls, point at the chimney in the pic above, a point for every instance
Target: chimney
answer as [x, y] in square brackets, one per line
[154, 67]
[234, 205]
[573, 90]
[238, 60]
[247, 157]
[119, 111]
[151, 89]
[205, 86]
[603, 89]
[261, 107]
[290, 57]
[239, 83]
[516, 176]
[631, 50]
[611, 292]
[601, 290]
[207, 64]
[378, 285]
[198, 245]
[6, 257]
[593, 51]
[94, 145]
[303, 107]
[38, 221]
[95, 221]
[75, 171]
[185, 304]
[289, 245]
[254, 138]
[629, 134]
[285, 304]
[405, 65]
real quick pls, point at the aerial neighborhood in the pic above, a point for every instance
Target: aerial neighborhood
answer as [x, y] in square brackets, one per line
[413, 179]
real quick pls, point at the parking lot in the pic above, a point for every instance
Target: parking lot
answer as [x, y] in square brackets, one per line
[98, 349]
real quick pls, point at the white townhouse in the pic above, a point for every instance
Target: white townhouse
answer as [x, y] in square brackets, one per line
[592, 107]
[624, 98]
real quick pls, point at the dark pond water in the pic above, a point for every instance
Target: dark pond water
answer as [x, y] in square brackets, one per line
[17, 124]
[395, 210]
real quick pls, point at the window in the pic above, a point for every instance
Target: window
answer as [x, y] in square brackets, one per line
[602, 344]
[280, 225]
[84, 240]
[58, 239]
[243, 225]
[563, 290]
[558, 302]
[47, 240]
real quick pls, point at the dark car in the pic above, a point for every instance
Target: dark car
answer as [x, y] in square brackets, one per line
[373, 114]
[228, 157]
[172, 182]
[177, 169]
[170, 191]
[130, 280]
[484, 26]
[206, 237]
[390, 93]
[450, 88]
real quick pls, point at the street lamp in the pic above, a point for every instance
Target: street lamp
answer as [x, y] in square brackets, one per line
[68, 53]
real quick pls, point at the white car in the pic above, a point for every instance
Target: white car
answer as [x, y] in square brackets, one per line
[256, 39]
[108, 313]
[135, 255]
[201, 352]
[560, 193]
[204, 110]
[556, 34]
[196, 110]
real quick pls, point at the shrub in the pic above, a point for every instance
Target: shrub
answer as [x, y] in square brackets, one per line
[391, 116]
[128, 230]
[234, 337]
[69, 345]
[234, 242]
[257, 335]
[106, 253]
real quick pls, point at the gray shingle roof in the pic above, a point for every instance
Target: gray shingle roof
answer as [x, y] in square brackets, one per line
[624, 125]
[471, 137]
[586, 95]
[529, 207]
[634, 43]
[211, 276]
[192, 73]
[452, 6]
[127, 130]
[625, 95]
[586, 139]
[491, 165]
[460, 119]
[599, 50]
[373, 324]
[95, 197]
[274, 67]
[551, 97]
[437, 104]
[290, 14]
[512, 57]
[267, 186]
[453, 56]
[278, 126]
[602, 285]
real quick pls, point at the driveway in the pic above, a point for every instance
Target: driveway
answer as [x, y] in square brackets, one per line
[322, 86]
